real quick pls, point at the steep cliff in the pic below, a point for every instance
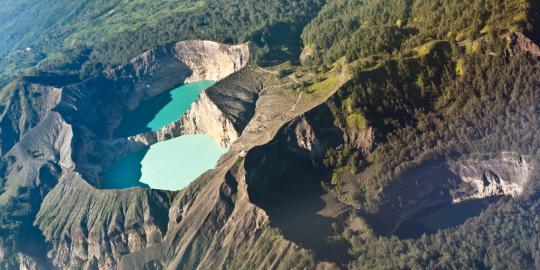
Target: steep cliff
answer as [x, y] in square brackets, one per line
[506, 175]
[96, 106]
[221, 111]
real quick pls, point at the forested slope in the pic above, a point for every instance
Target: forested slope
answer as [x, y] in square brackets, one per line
[358, 29]
[91, 35]
[434, 81]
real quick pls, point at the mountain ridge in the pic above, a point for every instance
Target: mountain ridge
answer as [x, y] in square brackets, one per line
[331, 160]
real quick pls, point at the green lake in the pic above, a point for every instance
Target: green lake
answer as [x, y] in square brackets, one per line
[168, 165]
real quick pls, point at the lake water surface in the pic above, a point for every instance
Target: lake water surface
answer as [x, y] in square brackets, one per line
[161, 110]
[168, 165]
[443, 217]
[173, 164]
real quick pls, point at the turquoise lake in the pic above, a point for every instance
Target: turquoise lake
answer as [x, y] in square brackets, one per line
[173, 164]
[168, 165]
[160, 110]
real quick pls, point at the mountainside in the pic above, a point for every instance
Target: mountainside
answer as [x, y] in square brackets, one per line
[90, 36]
[382, 134]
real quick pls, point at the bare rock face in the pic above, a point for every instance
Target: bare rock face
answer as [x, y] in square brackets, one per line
[308, 134]
[210, 60]
[166, 67]
[505, 175]
[205, 117]
[361, 139]
[27, 263]
[518, 42]
[305, 136]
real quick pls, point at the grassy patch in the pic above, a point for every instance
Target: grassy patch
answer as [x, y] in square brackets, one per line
[460, 67]
[129, 15]
[357, 121]
[429, 47]
[326, 83]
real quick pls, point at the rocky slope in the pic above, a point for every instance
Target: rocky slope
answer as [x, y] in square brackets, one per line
[103, 226]
[52, 132]
[26, 105]
[209, 223]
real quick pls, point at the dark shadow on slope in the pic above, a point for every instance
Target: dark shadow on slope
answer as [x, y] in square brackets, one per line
[419, 202]
[441, 217]
[288, 187]
[280, 42]
[136, 121]
[53, 79]
[18, 217]
[533, 28]
[126, 172]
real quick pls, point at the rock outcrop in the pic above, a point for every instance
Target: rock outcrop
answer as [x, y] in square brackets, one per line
[506, 175]
[165, 67]
[210, 60]
[205, 117]
[518, 42]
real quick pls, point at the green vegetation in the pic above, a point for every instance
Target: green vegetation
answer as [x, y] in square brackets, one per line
[96, 34]
[357, 121]
[502, 237]
[357, 29]
[491, 108]
[433, 81]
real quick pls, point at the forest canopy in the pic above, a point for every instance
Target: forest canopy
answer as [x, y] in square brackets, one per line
[99, 34]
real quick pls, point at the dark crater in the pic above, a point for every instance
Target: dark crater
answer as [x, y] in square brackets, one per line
[420, 202]
[286, 181]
